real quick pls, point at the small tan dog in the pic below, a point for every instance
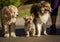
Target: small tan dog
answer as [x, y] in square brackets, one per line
[9, 14]
[29, 26]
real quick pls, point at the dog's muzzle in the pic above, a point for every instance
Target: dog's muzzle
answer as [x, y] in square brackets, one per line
[17, 15]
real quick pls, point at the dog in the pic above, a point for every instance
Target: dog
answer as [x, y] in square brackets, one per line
[9, 14]
[29, 26]
[41, 13]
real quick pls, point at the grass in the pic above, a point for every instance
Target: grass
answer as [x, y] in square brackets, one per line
[24, 10]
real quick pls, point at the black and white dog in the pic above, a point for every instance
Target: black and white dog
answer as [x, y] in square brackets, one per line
[41, 13]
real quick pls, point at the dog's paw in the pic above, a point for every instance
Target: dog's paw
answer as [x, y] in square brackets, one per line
[45, 33]
[6, 35]
[34, 36]
[38, 35]
[13, 34]
[27, 35]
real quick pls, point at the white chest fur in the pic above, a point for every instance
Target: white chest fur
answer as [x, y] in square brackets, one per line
[44, 18]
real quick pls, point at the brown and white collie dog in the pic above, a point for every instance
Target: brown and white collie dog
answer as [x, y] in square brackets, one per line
[41, 13]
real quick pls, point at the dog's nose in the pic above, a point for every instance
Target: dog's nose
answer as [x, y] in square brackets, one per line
[17, 15]
[42, 12]
[28, 21]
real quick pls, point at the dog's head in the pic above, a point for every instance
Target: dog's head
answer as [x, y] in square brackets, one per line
[40, 8]
[13, 11]
[28, 19]
[45, 6]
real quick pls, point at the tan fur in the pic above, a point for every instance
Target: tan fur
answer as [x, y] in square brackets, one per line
[29, 26]
[9, 14]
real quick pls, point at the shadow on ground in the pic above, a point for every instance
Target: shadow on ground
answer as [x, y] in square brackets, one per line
[21, 32]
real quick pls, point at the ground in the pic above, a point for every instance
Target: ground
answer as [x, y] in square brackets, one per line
[49, 38]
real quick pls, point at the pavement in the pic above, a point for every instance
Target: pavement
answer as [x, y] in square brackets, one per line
[42, 38]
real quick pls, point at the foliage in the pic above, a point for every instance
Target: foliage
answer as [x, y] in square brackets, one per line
[9, 2]
[24, 12]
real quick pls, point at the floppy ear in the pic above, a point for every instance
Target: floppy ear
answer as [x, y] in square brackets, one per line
[51, 9]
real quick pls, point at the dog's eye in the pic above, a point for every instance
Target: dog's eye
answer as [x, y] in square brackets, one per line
[14, 12]
[26, 19]
[30, 19]
[46, 6]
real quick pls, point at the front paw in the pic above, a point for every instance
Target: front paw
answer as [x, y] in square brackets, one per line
[38, 35]
[34, 35]
[27, 35]
[45, 33]
[13, 34]
[6, 35]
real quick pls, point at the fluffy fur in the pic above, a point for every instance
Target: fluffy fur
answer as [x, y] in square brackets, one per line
[41, 13]
[29, 26]
[9, 14]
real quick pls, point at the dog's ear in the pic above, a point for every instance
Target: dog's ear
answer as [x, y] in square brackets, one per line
[49, 9]
[24, 17]
[32, 15]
